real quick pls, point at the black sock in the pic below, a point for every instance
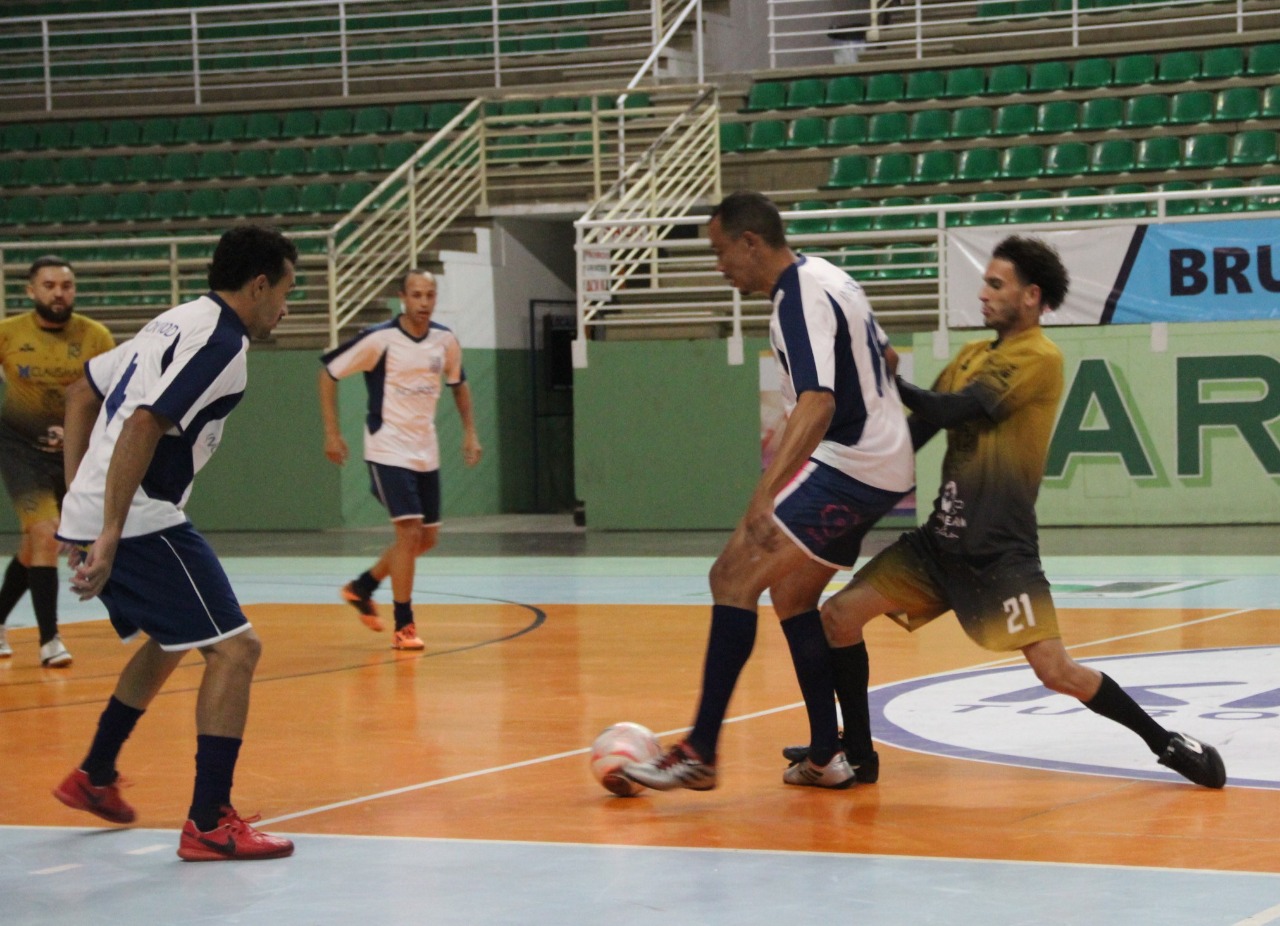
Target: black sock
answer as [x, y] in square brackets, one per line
[44, 599]
[14, 587]
[365, 584]
[852, 671]
[404, 614]
[215, 767]
[733, 636]
[114, 726]
[811, 657]
[1114, 703]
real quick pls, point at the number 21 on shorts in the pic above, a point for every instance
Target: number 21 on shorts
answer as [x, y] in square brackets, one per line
[1020, 614]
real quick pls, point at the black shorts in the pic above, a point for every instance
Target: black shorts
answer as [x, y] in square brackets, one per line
[33, 478]
[406, 493]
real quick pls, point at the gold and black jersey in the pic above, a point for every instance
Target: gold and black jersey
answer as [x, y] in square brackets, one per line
[993, 466]
[38, 366]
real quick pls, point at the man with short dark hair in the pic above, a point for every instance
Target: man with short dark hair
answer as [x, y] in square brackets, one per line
[405, 361]
[978, 554]
[844, 461]
[144, 420]
[41, 353]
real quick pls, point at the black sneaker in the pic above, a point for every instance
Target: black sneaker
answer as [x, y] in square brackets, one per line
[865, 768]
[1199, 762]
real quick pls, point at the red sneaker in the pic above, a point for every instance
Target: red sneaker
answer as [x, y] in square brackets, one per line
[364, 606]
[233, 838]
[78, 793]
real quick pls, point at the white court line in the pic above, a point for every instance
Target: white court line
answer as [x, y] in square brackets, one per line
[147, 850]
[1260, 919]
[56, 869]
[421, 786]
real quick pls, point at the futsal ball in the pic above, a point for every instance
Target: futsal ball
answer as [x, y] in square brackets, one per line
[615, 747]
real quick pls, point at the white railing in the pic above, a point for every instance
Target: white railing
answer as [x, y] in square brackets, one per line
[813, 32]
[671, 284]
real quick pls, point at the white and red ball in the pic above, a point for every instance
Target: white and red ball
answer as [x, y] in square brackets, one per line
[615, 747]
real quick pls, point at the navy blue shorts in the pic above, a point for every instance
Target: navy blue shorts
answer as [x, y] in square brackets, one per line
[406, 493]
[170, 586]
[828, 513]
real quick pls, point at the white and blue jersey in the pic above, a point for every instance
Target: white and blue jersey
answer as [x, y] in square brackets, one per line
[187, 365]
[826, 338]
[404, 377]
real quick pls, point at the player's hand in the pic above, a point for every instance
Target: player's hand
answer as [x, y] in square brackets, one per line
[471, 450]
[335, 448]
[760, 524]
[91, 575]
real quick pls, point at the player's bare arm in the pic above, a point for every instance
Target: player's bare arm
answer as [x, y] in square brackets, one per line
[805, 427]
[471, 448]
[335, 448]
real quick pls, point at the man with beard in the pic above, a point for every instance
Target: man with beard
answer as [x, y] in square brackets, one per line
[42, 352]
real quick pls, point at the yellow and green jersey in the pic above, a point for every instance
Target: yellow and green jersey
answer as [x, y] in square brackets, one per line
[993, 466]
[38, 366]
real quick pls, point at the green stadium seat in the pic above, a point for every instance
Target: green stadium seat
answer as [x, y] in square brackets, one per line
[814, 226]
[124, 133]
[1058, 117]
[350, 194]
[942, 199]
[1126, 210]
[205, 201]
[1150, 109]
[1223, 203]
[884, 88]
[395, 153]
[88, 133]
[1048, 77]
[167, 205]
[972, 122]
[406, 117]
[317, 197]
[371, 120]
[1082, 212]
[924, 85]
[1252, 148]
[252, 162]
[61, 209]
[1030, 8]
[38, 172]
[1237, 104]
[1101, 114]
[1006, 79]
[70, 171]
[766, 135]
[804, 93]
[133, 206]
[929, 125]
[20, 137]
[326, 160]
[54, 135]
[995, 9]
[1022, 162]
[1069, 159]
[935, 167]
[978, 164]
[25, 210]
[1091, 74]
[97, 207]
[1015, 119]
[280, 199]
[899, 222]
[845, 90]
[964, 82]
[1264, 60]
[1271, 102]
[1191, 107]
[440, 114]
[1112, 156]
[855, 222]
[214, 163]
[299, 123]
[849, 129]
[1134, 70]
[765, 95]
[1221, 63]
[11, 172]
[363, 158]
[1163, 152]
[848, 171]
[335, 122]
[1206, 151]
[1178, 67]
[887, 128]
[1179, 206]
[191, 130]
[733, 136]
[1032, 215]
[178, 165]
[554, 106]
[158, 130]
[807, 132]
[108, 168]
[144, 168]
[243, 201]
[262, 127]
[892, 169]
[986, 216]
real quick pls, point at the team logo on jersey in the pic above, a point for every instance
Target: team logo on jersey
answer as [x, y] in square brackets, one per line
[1227, 697]
[27, 349]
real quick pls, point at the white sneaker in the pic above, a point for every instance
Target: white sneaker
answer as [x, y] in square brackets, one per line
[835, 774]
[53, 655]
[5, 649]
[679, 767]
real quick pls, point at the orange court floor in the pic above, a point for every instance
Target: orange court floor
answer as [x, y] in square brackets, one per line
[477, 749]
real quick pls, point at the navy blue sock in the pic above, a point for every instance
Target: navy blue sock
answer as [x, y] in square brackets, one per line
[114, 726]
[733, 635]
[14, 587]
[44, 599]
[215, 767]
[1114, 703]
[811, 657]
[404, 614]
[852, 671]
[365, 584]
